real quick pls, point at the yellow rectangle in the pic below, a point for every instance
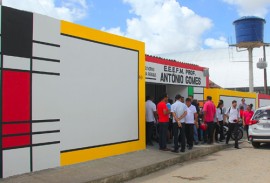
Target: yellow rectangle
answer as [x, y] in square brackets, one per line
[78, 156]
[216, 93]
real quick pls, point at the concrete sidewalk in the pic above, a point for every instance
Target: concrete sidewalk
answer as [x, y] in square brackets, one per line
[116, 169]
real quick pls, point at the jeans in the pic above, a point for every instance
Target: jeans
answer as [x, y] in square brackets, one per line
[163, 129]
[233, 127]
[221, 132]
[216, 129]
[179, 137]
[195, 136]
[210, 132]
[149, 132]
[189, 129]
[175, 136]
[183, 136]
[246, 128]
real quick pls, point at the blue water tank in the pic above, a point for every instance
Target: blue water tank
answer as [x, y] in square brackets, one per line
[249, 29]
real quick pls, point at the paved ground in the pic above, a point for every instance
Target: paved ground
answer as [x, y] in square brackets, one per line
[117, 168]
[230, 165]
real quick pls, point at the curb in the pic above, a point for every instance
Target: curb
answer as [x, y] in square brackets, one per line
[139, 172]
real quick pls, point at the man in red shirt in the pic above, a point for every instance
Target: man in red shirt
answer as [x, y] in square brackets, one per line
[247, 115]
[209, 111]
[163, 120]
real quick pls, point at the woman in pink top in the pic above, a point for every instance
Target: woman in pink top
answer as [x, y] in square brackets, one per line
[247, 115]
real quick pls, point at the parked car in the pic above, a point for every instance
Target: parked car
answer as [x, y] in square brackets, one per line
[259, 130]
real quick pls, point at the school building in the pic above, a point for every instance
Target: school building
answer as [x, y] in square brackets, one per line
[71, 94]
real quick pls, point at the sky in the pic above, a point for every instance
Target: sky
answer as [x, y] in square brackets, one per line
[166, 26]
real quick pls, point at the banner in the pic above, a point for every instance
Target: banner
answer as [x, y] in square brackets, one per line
[165, 74]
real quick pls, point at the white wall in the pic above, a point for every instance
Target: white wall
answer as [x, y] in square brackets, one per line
[264, 102]
[99, 94]
[173, 90]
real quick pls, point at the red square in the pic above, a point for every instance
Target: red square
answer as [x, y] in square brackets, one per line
[16, 128]
[16, 96]
[16, 141]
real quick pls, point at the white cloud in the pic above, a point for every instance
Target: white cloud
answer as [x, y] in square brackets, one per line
[164, 25]
[251, 7]
[221, 42]
[70, 10]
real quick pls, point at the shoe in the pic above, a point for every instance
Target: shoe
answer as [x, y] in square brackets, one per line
[175, 151]
[227, 143]
[150, 144]
[196, 143]
[220, 140]
[237, 147]
[217, 141]
[189, 148]
[166, 149]
[182, 150]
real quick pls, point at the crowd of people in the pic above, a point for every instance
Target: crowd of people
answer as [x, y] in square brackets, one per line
[184, 123]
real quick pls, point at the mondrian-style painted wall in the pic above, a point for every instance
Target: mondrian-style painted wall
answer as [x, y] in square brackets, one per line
[69, 93]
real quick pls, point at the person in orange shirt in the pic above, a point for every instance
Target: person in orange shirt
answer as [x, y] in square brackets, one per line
[163, 120]
[247, 115]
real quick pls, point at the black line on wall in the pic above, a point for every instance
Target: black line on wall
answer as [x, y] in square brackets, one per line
[33, 145]
[46, 121]
[33, 121]
[46, 132]
[46, 73]
[46, 143]
[15, 135]
[31, 133]
[35, 72]
[46, 59]
[46, 43]
[90, 147]
[18, 70]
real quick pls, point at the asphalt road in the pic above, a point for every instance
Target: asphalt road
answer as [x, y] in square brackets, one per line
[247, 165]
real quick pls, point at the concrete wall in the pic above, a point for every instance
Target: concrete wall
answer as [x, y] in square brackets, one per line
[65, 91]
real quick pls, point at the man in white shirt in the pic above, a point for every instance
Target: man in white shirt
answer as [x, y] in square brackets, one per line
[191, 119]
[179, 111]
[151, 118]
[233, 116]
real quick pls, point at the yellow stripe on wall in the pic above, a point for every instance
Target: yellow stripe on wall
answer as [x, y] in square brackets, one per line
[216, 93]
[79, 156]
[100, 36]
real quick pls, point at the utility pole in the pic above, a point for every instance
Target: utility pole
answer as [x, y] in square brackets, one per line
[251, 80]
[265, 72]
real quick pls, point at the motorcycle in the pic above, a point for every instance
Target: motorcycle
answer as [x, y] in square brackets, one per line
[240, 132]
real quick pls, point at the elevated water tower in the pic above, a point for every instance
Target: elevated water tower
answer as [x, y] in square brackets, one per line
[249, 32]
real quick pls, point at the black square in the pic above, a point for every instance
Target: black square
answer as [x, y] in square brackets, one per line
[17, 32]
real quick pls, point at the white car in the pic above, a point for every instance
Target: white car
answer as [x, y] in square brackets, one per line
[259, 130]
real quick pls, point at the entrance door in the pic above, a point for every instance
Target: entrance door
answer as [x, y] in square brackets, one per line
[155, 90]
